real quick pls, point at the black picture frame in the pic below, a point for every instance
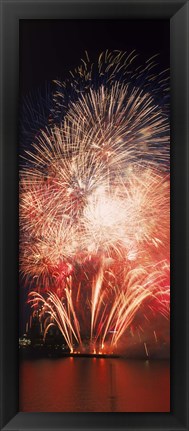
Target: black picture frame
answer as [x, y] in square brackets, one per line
[177, 11]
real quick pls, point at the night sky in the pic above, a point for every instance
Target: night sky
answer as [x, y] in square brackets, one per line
[50, 48]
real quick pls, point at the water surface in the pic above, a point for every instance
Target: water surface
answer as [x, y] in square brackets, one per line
[94, 385]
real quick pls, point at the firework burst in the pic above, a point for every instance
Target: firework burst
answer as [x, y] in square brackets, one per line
[94, 204]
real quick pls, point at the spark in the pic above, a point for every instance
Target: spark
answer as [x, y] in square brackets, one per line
[146, 350]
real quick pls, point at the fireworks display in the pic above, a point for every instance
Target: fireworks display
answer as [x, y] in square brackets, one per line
[94, 204]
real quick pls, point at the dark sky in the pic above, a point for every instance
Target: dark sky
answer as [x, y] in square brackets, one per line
[50, 48]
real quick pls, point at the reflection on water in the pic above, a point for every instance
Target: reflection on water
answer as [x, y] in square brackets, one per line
[94, 385]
